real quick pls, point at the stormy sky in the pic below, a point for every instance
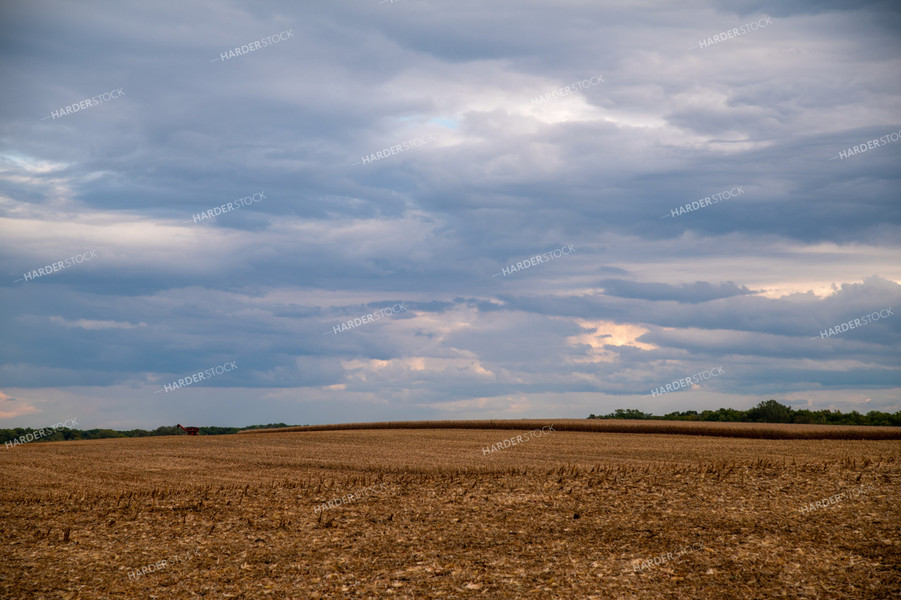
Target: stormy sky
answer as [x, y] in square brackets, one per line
[239, 179]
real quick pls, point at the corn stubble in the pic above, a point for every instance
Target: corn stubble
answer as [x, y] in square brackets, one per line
[567, 515]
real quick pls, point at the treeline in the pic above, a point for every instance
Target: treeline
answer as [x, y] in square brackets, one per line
[765, 412]
[63, 434]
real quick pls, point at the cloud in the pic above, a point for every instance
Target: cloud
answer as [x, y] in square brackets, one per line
[13, 407]
[86, 324]
[692, 293]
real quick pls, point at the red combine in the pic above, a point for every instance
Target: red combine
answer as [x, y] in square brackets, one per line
[190, 430]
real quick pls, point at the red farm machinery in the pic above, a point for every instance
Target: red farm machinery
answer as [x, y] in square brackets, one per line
[190, 430]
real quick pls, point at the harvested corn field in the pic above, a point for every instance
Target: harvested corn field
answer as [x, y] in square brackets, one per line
[773, 431]
[429, 513]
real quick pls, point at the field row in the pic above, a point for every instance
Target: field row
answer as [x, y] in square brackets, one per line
[772, 431]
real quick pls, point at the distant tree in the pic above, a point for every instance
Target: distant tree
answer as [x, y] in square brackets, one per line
[807, 417]
[730, 415]
[770, 412]
[629, 413]
[167, 430]
[97, 434]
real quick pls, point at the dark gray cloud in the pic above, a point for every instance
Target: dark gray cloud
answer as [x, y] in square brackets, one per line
[699, 291]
